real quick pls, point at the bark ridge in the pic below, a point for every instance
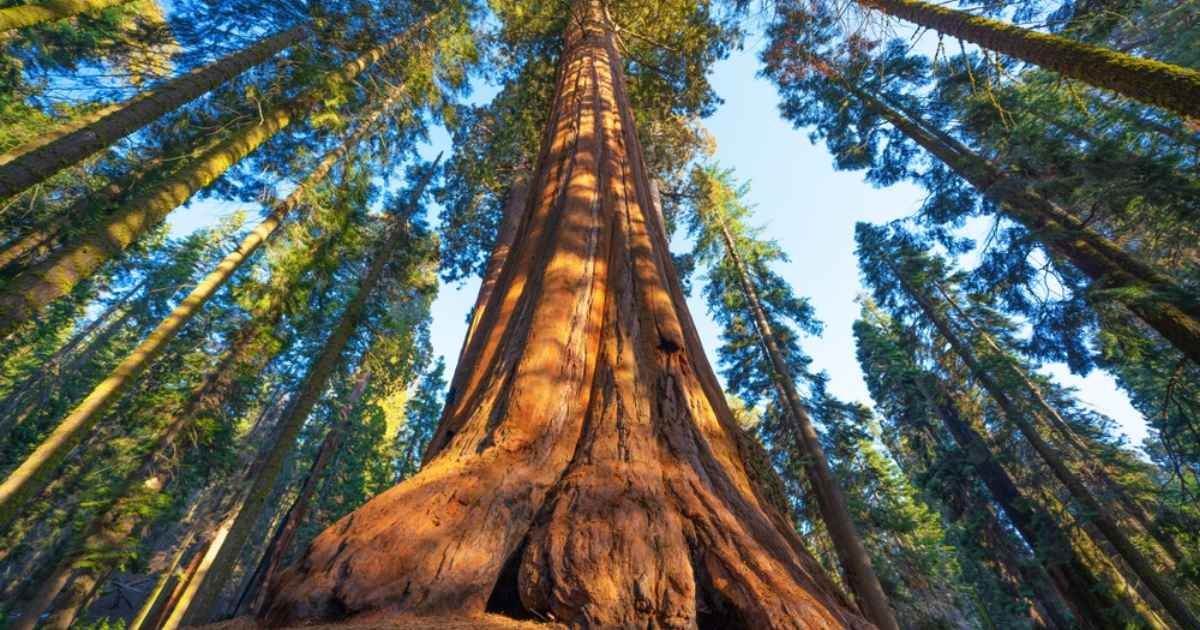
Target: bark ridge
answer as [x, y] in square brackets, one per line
[587, 469]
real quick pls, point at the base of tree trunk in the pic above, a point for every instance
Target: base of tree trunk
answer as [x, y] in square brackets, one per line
[391, 621]
[587, 468]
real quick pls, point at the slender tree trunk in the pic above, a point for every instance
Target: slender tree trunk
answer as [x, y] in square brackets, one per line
[185, 596]
[851, 553]
[1048, 607]
[25, 15]
[55, 277]
[1152, 82]
[25, 251]
[155, 473]
[265, 428]
[33, 163]
[1098, 515]
[19, 252]
[163, 586]
[18, 403]
[1083, 589]
[204, 607]
[588, 468]
[181, 586]
[44, 385]
[49, 589]
[963, 504]
[1149, 294]
[29, 477]
[156, 615]
[282, 540]
[1168, 551]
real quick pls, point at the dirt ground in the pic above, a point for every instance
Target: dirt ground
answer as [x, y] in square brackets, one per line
[405, 622]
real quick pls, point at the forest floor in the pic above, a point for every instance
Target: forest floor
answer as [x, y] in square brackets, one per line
[405, 622]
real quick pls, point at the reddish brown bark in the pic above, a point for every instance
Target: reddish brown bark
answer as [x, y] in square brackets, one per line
[587, 469]
[514, 213]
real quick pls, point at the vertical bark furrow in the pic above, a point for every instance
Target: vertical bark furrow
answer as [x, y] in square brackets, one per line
[504, 324]
[582, 449]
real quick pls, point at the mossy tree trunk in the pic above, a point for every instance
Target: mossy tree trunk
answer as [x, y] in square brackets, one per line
[1096, 513]
[32, 163]
[1148, 293]
[587, 467]
[1152, 82]
[26, 15]
[34, 471]
[23, 297]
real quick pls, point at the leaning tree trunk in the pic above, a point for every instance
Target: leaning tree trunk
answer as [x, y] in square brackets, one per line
[1150, 81]
[1013, 565]
[1083, 590]
[28, 293]
[25, 15]
[28, 247]
[847, 542]
[165, 584]
[1148, 293]
[1098, 515]
[588, 468]
[36, 161]
[115, 526]
[205, 605]
[272, 557]
[266, 428]
[1167, 551]
[33, 473]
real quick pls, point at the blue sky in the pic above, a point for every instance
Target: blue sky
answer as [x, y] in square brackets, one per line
[811, 210]
[804, 204]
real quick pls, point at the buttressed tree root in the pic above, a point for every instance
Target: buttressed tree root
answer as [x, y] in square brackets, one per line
[587, 469]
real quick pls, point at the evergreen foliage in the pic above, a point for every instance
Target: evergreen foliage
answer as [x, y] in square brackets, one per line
[1057, 144]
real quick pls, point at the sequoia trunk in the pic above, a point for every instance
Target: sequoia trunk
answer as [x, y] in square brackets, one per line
[587, 468]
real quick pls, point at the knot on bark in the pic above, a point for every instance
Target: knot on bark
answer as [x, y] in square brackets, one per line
[669, 343]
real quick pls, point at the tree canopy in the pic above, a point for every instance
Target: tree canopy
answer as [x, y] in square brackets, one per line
[223, 231]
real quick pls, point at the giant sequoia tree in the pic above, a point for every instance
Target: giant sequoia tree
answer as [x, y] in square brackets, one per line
[194, 425]
[587, 468]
